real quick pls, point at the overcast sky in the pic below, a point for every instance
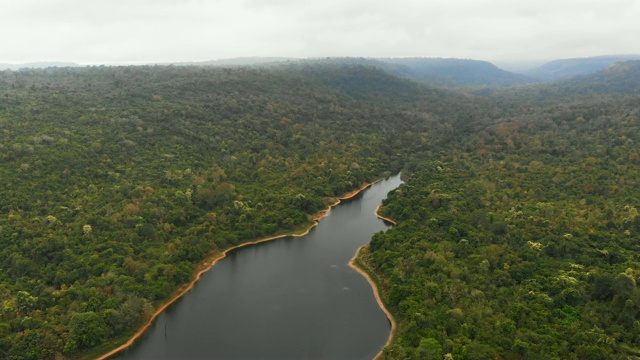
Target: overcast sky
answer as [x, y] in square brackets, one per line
[142, 31]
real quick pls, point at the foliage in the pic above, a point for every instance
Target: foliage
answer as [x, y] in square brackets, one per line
[519, 239]
[118, 181]
[516, 232]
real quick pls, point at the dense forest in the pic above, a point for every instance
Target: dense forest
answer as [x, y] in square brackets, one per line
[118, 181]
[519, 240]
[517, 225]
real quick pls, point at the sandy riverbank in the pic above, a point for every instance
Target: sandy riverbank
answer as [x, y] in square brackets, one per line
[208, 263]
[382, 217]
[376, 293]
[374, 287]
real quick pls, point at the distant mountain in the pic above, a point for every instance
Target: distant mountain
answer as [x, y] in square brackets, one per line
[454, 72]
[619, 78]
[240, 61]
[566, 68]
[39, 65]
[616, 81]
[359, 78]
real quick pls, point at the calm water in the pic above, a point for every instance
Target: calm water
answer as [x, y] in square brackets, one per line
[292, 298]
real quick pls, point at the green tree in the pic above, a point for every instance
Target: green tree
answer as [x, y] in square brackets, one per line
[87, 329]
[429, 349]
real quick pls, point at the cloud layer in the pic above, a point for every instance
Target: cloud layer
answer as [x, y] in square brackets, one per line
[119, 31]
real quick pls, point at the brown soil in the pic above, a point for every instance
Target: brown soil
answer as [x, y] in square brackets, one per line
[382, 217]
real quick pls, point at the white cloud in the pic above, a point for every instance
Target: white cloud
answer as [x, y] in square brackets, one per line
[89, 31]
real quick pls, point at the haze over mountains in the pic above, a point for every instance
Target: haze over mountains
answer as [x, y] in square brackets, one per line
[37, 65]
[565, 68]
[456, 72]
[438, 71]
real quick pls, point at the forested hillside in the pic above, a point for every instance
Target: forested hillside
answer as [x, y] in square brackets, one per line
[117, 181]
[520, 239]
[517, 227]
[442, 72]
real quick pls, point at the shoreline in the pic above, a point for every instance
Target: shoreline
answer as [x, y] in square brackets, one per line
[374, 287]
[376, 293]
[209, 262]
[382, 217]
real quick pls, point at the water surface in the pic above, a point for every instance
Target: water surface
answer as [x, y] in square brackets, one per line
[291, 298]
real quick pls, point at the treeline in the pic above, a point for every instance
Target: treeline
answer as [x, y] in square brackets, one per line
[519, 240]
[117, 181]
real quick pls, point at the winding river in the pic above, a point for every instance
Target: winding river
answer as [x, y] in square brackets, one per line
[292, 298]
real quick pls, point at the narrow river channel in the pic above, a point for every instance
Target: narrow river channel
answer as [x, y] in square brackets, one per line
[292, 298]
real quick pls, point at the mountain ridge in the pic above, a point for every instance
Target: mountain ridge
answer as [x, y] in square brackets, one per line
[456, 72]
[566, 68]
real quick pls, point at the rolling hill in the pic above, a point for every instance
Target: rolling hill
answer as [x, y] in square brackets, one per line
[566, 68]
[454, 72]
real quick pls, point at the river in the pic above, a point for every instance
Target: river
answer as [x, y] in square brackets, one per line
[291, 298]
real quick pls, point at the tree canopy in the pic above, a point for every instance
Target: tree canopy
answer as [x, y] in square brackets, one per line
[517, 225]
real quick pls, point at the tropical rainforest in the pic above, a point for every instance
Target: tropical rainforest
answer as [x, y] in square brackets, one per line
[516, 231]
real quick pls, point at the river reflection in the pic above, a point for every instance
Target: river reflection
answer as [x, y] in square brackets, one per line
[292, 298]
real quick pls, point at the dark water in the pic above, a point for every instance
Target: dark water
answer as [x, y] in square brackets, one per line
[292, 298]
